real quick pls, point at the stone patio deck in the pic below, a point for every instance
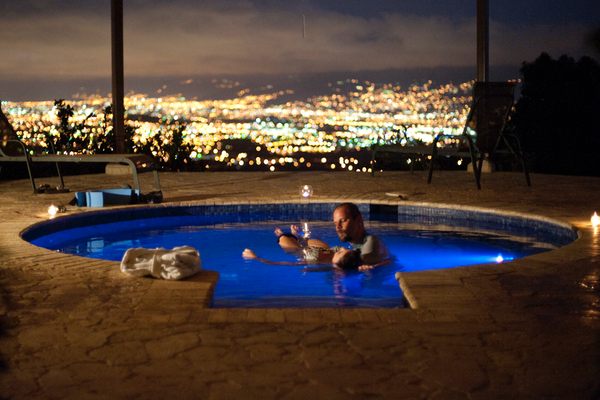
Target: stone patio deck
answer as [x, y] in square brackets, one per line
[76, 328]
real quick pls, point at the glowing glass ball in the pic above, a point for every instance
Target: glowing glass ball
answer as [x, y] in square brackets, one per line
[306, 191]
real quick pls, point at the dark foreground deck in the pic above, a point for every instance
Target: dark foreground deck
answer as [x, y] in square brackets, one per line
[79, 329]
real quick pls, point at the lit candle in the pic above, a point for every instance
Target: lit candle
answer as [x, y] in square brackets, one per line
[306, 231]
[595, 220]
[52, 211]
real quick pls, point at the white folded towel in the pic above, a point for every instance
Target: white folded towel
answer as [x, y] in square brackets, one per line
[175, 264]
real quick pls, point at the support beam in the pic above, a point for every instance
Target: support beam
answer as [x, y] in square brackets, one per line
[483, 41]
[117, 74]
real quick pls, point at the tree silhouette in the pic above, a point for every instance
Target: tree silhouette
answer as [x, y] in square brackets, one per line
[68, 136]
[557, 116]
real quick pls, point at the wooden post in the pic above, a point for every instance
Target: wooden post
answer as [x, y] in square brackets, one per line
[117, 75]
[483, 40]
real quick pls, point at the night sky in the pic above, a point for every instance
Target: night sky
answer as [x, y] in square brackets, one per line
[61, 43]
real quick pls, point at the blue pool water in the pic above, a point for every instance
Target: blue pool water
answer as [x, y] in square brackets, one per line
[221, 237]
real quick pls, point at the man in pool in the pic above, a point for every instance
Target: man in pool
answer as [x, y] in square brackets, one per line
[367, 252]
[310, 251]
[350, 228]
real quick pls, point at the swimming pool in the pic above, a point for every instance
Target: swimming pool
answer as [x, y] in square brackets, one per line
[420, 237]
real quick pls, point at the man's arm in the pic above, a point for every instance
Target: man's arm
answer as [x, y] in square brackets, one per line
[373, 251]
[368, 267]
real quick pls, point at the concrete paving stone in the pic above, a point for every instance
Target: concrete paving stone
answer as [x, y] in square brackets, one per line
[41, 336]
[463, 374]
[85, 337]
[232, 391]
[211, 335]
[126, 353]
[168, 346]
[244, 329]
[276, 336]
[130, 333]
[257, 315]
[441, 315]
[317, 391]
[266, 380]
[57, 382]
[383, 337]
[273, 315]
[349, 379]
[218, 316]
[504, 362]
[312, 316]
[236, 315]
[149, 387]
[330, 315]
[84, 394]
[517, 338]
[350, 315]
[324, 357]
[320, 336]
[52, 356]
[292, 315]
[368, 316]
[429, 297]
[266, 352]
[21, 384]
[476, 316]
[449, 395]
[392, 315]
[208, 360]
[395, 388]
[92, 371]
[284, 370]
[236, 358]
[166, 368]
[556, 382]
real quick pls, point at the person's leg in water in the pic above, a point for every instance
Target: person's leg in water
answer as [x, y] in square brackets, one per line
[288, 241]
[292, 242]
[310, 242]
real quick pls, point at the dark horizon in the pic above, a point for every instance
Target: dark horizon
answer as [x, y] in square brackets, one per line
[204, 87]
[57, 48]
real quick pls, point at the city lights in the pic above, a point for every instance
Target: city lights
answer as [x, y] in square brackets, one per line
[255, 131]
